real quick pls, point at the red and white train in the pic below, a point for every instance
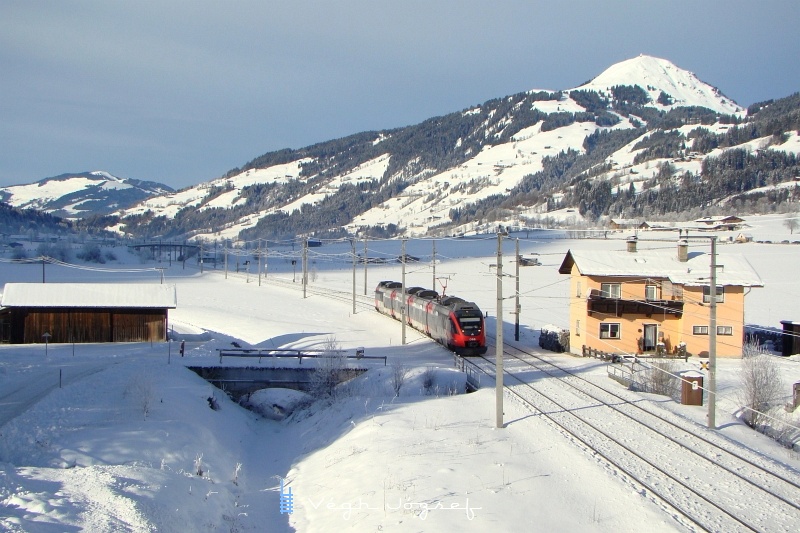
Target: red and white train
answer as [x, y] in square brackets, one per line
[449, 320]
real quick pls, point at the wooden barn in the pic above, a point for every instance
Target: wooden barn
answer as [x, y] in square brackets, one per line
[85, 312]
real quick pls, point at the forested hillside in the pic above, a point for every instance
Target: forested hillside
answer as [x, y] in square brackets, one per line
[669, 146]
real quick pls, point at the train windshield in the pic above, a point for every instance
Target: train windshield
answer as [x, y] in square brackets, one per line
[470, 325]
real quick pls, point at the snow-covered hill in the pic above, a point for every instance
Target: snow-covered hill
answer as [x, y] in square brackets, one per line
[77, 195]
[522, 159]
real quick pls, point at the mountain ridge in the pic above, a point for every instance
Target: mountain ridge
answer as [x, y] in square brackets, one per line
[75, 195]
[609, 147]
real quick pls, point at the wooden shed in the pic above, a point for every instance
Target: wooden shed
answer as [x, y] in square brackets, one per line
[85, 312]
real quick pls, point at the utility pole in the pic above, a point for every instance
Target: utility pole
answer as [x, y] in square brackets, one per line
[712, 339]
[353, 246]
[226, 258]
[259, 262]
[433, 264]
[403, 295]
[365, 266]
[516, 299]
[499, 336]
[305, 266]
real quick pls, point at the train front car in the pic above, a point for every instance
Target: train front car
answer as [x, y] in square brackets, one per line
[467, 335]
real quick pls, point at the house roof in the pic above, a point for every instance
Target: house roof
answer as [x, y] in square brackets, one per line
[125, 295]
[662, 264]
[719, 218]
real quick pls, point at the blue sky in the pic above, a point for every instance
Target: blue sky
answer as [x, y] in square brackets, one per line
[180, 92]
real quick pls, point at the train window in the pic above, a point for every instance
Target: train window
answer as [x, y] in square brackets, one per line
[470, 325]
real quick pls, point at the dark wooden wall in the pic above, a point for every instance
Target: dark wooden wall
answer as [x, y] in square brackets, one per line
[28, 325]
[791, 338]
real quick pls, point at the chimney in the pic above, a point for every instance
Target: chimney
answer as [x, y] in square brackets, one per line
[683, 250]
[632, 244]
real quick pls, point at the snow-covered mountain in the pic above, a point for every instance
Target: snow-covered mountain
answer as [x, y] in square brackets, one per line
[634, 140]
[77, 195]
[681, 88]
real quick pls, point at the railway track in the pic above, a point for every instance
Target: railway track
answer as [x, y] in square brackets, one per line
[704, 480]
[363, 302]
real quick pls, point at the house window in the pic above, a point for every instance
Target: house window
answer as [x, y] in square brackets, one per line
[577, 328]
[610, 290]
[651, 292]
[609, 331]
[699, 330]
[707, 294]
[578, 290]
[724, 330]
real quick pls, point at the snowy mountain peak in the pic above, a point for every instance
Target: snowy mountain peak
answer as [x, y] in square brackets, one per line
[656, 75]
[104, 174]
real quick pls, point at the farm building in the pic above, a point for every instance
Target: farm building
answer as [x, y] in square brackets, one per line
[85, 312]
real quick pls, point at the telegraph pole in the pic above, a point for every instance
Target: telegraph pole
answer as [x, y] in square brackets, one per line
[516, 299]
[353, 246]
[433, 264]
[305, 266]
[712, 339]
[259, 262]
[499, 336]
[403, 295]
[365, 266]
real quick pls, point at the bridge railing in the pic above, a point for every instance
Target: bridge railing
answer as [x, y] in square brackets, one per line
[297, 354]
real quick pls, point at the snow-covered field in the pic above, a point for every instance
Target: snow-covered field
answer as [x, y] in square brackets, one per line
[121, 437]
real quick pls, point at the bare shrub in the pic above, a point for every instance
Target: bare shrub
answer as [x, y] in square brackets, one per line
[398, 376]
[198, 465]
[141, 392]
[331, 368]
[761, 385]
[660, 377]
[428, 379]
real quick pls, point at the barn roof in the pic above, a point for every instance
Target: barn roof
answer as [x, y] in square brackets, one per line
[121, 295]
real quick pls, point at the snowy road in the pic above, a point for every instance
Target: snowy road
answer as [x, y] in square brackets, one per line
[37, 379]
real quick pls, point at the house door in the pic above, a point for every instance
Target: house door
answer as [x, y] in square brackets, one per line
[650, 337]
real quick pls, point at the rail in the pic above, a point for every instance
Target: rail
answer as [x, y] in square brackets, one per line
[298, 354]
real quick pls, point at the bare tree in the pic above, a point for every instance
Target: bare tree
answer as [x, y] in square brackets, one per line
[791, 222]
[399, 374]
[330, 370]
[761, 384]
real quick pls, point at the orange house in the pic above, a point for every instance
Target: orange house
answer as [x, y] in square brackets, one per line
[644, 301]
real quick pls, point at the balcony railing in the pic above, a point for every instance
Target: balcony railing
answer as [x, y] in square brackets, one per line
[597, 303]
